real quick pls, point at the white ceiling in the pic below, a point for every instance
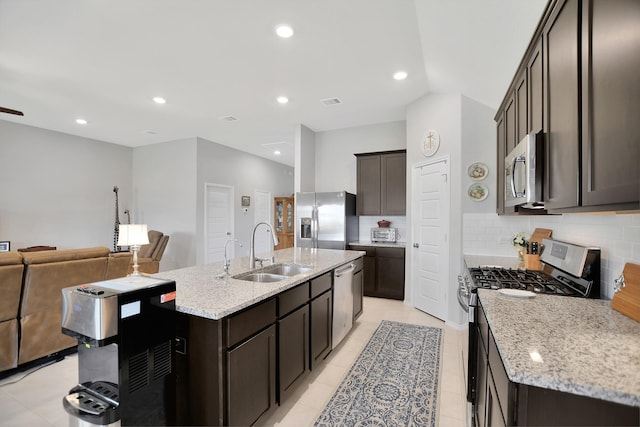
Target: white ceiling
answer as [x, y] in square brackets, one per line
[104, 61]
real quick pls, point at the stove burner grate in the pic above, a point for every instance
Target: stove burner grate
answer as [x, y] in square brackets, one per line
[527, 280]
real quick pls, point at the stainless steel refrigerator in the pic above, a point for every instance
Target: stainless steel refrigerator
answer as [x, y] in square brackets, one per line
[325, 220]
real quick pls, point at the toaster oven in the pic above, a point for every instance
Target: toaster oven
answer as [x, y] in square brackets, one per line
[384, 234]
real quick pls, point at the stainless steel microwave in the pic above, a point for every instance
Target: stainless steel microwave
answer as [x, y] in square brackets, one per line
[384, 234]
[523, 172]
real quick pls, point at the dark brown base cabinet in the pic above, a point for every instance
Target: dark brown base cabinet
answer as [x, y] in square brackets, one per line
[293, 338]
[235, 371]
[500, 402]
[383, 271]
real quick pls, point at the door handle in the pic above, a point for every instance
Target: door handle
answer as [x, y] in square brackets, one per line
[416, 245]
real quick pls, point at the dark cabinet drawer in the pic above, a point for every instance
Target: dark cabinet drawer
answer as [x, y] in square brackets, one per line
[368, 249]
[390, 252]
[321, 284]
[246, 323]
[292, 299]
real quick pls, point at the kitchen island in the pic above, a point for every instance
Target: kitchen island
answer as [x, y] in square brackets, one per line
[201, 291]
[242, 347]
[560, 361]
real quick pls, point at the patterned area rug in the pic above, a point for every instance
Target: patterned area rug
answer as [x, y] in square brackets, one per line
[394, 381]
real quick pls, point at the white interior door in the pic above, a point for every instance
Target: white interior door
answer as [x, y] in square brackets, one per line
[263, 212]
[218, 221]
[430, 237]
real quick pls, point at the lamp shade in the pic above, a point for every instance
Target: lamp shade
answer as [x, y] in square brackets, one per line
[133, 235]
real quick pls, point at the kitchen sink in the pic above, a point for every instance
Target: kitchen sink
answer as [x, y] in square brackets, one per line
[273, 273]
[287, 269]
[260, 277]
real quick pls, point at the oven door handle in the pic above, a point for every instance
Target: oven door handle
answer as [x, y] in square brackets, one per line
[463, 294]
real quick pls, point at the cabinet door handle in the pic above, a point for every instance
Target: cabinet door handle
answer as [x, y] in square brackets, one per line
[416, 245]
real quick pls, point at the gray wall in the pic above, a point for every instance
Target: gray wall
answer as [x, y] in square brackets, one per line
[305, 154]
[335, 166]
[442, 113]
[57, 189]
[219, 164]
[478, 145]
[165, 197]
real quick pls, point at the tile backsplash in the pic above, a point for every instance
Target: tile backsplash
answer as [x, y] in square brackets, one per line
[368, 222]
[617, 235]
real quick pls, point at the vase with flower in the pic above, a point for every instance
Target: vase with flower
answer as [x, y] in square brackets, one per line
[520, 244]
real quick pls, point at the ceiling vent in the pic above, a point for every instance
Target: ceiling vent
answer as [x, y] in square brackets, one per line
[229, 118]
[331, 101]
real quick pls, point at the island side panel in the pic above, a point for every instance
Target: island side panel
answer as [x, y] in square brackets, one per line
[199, 370]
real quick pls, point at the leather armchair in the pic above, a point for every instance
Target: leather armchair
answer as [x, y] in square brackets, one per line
[150, 255]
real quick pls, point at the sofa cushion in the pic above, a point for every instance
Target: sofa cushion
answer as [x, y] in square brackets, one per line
[39, 338]
[118, 265]
[11, 269]
[10, 258]
[8, 344]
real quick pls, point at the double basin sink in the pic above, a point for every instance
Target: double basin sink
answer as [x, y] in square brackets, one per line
[273, 273]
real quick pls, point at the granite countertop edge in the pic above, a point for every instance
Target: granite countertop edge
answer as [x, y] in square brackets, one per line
[591, 364]
[201, 292]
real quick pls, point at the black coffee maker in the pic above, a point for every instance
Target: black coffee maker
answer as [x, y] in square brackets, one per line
[125, 330]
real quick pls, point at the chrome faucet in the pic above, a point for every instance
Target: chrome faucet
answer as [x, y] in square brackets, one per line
[227, 261]
[252, 256]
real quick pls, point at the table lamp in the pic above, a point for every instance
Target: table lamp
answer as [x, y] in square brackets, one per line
[134, 236]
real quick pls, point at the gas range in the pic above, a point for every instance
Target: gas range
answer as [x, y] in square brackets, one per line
[526, 280]
[568, 270]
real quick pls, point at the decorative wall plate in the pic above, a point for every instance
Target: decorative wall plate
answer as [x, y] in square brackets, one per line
[478, 171]
[430, 143]
[478, 192]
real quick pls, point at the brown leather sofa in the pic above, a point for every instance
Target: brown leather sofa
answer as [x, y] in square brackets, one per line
[11, 268]
[30, 322]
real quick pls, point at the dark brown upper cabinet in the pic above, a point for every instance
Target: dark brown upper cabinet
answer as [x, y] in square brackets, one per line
[381, 183]
[610, 102]
[535, 88]
[578, 84]
[561, 108]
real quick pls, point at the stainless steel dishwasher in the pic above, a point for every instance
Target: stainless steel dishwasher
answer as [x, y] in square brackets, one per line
[342, 302]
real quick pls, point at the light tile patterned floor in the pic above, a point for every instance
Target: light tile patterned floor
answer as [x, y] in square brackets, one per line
[36, 400]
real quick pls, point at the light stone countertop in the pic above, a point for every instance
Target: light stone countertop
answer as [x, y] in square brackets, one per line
[586, 348]
[379, 244]
[200, 292]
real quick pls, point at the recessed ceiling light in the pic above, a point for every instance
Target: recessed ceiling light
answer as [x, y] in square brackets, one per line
[159, 100]
[282, 99]
[284, 31]
[400, 75]
[81, 121]
[277, 152]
